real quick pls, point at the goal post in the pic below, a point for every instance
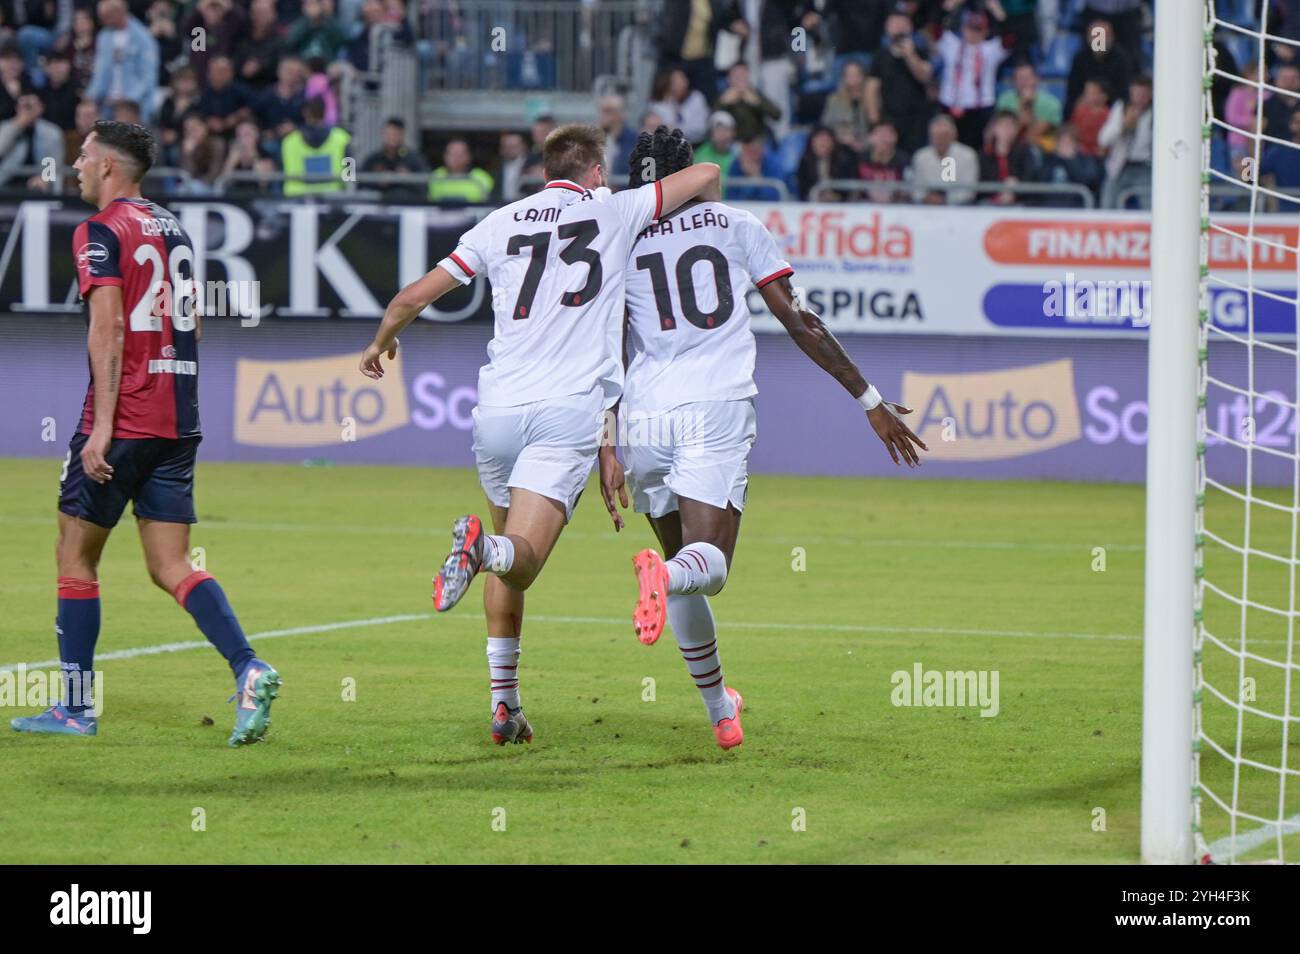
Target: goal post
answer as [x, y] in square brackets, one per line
[1173, 388]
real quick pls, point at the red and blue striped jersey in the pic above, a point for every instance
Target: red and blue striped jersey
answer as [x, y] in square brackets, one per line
[141, 248]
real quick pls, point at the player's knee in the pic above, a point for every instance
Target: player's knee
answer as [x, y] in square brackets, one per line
[711, 561]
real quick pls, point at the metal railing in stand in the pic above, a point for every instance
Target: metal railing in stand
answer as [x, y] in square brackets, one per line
[1239, 194]
[65, 177]
[909, 189]
[530, 184]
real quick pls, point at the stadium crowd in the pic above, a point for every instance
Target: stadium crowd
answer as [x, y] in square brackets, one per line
[881, 98]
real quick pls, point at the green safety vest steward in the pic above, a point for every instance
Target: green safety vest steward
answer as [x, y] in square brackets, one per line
[298, 158]
[476, 186]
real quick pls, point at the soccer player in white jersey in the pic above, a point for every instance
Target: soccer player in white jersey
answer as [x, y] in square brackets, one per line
[555, 260]
[688, 411]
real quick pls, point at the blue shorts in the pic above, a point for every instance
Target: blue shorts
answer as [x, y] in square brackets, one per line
[156, 473]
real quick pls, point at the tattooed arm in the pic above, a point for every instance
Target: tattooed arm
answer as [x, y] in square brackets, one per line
[816, 341]
[104, 342]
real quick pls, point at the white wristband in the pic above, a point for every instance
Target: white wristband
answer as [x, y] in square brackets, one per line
[870, 398]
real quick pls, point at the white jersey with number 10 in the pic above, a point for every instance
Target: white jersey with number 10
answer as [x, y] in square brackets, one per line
[689, 337]
[555, 260]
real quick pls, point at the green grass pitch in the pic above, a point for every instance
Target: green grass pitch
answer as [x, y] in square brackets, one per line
[953, 575]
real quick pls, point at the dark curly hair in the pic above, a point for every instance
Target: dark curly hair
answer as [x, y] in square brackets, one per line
[657, 155]
[131, 141]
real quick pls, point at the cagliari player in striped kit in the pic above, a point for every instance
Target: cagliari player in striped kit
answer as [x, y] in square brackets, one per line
[139, 432]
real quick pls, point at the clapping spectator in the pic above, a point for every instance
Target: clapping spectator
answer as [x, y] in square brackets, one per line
[897, 85]
[681, 107]
[750, 108]
[968, 86]
[1005, 158]
[247, 155]
[126, 60]
[825, 158]
[883, 162]
[1127, 138]
[1069, 163]
[847, 106]
[1038, 110]
[945, 160]
[29, 140]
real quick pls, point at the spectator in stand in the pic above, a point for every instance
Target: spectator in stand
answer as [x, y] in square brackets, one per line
[825, 158]
[259, 50]
[79, 46]
[681, 107]
[1090, 114]
[171, 51]
[898, 81]
[183, 100]
[125, 111]
[279, 109]
[1069, 163]
[1038, 110]
[394, 155]
[750, 107]
[87, 115]
[513, 152]
[754, 161]
[126, 61]
[222, 24]
[202, 153]
[247, 155]
[374, 17]
[970, 58]
[59, 95]
[458, 179]
[1126, 18]
[1241, 109]
[40, 24]
[14, 81]
[688, 36]
[1279, 168]
[538, 130]
[720, 147]
[650, 121]
[1126, 137]
[619, 137]
[883, 162]
[1282, 104]
[1099, 58]
[859, 25]
[770, 44]
[847, 106]
[27, 140]
[928, 167]
[1005, 158]
[317, 33]
[1020, 28]
[316, 148]
[225, 103]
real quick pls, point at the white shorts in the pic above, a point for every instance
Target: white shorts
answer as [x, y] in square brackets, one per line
[699, 451]
[547, 447]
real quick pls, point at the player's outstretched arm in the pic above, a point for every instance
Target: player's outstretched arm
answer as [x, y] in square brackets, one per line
[401, 311]
[816, 341]
[104, 342]
[702, 180]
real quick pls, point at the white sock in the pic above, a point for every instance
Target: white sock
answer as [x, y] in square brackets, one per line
[692, 623]
[503, 669]
[697, 568]
[498, 554]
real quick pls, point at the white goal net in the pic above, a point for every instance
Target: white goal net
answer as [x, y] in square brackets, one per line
[1246, 753]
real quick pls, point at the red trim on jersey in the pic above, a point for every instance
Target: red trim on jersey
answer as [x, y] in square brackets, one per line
[559, 184]
[186, 586]
[463, 267]
[774, 276]
[71, 588]
[103, 280]
[659, 197]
